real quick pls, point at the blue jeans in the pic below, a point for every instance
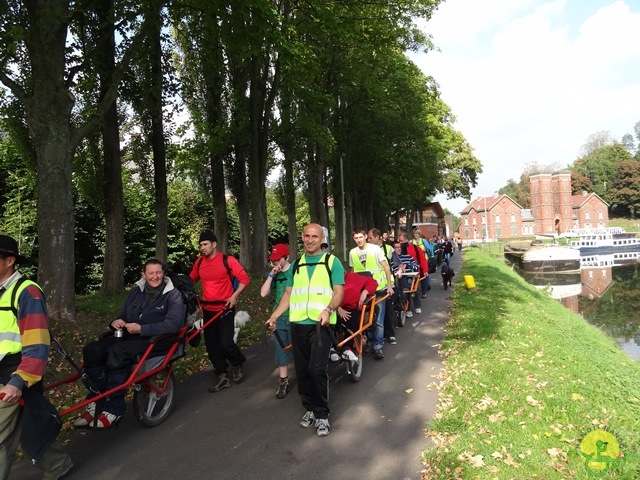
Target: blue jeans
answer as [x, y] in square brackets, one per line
[378, 334]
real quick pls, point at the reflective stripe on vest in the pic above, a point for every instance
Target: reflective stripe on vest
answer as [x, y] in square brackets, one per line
[10, 340]
[371, 265]
[310, 296]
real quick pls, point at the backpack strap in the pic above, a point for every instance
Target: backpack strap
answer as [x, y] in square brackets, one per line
[14, 294]
[296, 266]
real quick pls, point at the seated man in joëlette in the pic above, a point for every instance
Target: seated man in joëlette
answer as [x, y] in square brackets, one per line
[153, 307]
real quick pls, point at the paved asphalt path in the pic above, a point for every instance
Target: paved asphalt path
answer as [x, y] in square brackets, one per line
[244, 432]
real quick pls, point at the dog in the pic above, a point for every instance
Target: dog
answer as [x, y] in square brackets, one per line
[447, 275]
[240, 320]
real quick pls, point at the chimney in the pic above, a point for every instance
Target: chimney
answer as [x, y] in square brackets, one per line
[584, 193]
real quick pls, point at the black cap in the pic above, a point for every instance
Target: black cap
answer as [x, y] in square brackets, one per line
[209, 236]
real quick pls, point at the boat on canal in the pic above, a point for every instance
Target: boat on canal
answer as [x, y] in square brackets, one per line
[591, 240]
[536, 258]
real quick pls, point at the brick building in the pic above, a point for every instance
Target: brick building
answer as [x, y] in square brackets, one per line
[498, 216]
[554, 210]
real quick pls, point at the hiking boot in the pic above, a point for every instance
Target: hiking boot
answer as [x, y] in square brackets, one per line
[378, 355]
[222, 383]
[284, 387]
[392, 340]
[86, 418]
[333, 355]
[62, 471]
[107, 420]
[238, 374]
[308, 419]
[322, 427]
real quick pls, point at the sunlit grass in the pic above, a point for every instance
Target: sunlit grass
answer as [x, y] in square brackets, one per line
[525, 381]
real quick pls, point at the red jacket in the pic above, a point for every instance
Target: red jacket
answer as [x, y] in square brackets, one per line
[418, 255]
[216, 284]
[354, 284]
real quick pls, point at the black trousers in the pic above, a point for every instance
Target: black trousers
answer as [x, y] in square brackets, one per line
[311, 359]
[218, 337]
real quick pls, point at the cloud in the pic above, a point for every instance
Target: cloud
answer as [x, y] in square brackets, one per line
[529, 82]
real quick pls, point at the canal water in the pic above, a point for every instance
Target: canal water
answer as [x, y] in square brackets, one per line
[606, 295]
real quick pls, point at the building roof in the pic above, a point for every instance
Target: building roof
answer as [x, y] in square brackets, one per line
[481, 203]
[579, 200]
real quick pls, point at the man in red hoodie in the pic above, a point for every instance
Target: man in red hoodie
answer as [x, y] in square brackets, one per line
[218, 295]
[419, 257]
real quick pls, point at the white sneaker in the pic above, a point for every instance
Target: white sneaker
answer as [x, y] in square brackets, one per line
[409, 314]
[86, 418]
[418, 310]
[349, 356]
[333, 356]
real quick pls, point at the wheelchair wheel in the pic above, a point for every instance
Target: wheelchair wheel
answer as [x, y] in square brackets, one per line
[154, 401]
[402, 317]
[354, 369]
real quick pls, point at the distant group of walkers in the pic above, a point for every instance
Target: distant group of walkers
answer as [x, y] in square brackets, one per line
[309, 294]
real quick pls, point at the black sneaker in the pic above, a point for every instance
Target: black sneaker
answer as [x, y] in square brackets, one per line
[222, 383]
[368, 350]
[238, 374]
[378, 354]
[283, 388]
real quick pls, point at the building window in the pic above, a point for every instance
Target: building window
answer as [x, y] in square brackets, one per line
[484, 219]
[513, 231]
[587, 215]
[600, 214]
[498, 231]
[497, 218]
[513, 218]
[474, 220]
[466, 221]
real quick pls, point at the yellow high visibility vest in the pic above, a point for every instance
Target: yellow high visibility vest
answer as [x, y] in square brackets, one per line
[10, 340]
[311, 295]
[371, 265]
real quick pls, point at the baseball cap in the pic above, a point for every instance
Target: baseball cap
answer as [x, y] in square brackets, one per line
[278, 251]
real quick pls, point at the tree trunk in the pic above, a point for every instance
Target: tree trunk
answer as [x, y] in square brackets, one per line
[48, 113]
[157, 142]
[113, 206]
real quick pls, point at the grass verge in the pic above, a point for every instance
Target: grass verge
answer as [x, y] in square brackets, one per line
[525, 381]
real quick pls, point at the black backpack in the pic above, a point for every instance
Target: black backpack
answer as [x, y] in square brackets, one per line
[184, 285]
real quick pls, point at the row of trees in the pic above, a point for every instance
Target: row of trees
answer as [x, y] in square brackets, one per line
[222, 96]
[606, 166]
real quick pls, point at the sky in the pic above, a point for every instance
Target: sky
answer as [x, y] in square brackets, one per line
[530, 80]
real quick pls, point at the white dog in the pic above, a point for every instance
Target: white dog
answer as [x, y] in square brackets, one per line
[240, 320]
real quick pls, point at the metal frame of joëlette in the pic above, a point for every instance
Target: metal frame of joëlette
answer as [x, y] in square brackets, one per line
[183, 337]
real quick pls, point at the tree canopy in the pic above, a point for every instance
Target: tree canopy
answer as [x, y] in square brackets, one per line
[103, 99]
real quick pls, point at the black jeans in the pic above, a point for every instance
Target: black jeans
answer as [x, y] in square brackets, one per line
[218, 337]
[107, 362]
[311, 359]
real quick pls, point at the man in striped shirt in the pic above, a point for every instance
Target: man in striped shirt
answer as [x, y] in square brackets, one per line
[24, 351]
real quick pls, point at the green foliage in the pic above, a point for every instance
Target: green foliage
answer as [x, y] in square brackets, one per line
[624, 193]
[600, 166]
